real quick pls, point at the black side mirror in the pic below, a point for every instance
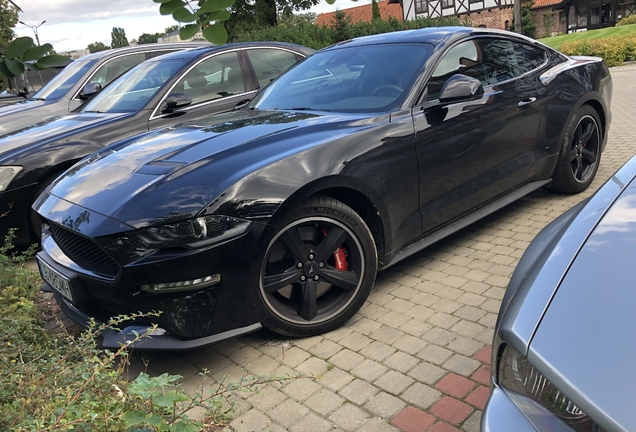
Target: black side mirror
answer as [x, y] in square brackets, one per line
[90, 90]
[460, 88]
[174, 101]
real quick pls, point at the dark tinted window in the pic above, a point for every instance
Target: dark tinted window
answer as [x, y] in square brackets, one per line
[529, 57]
[268, 63]
[489, 60]
[374, 78]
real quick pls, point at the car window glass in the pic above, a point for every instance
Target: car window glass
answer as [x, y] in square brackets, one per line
[370, 78]
[133, 90]
[529, 57]
[217, 77]
[115, 67]
[268, 63]
[65, 80]
[489, 60]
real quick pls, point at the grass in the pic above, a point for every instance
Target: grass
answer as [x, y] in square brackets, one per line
[610, 32]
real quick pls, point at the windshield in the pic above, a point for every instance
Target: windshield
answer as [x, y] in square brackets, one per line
[64, 80]
[372, 78]
[134, 89]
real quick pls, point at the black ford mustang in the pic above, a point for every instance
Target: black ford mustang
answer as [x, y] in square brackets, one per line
[281, 213]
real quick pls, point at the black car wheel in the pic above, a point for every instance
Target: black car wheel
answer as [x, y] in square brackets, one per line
[580, 154]
[318, 269]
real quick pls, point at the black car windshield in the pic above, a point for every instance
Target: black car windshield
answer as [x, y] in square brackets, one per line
[370, 78]
[63, 81]
[132, 91]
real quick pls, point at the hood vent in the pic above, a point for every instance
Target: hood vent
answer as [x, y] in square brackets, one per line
[159, 167]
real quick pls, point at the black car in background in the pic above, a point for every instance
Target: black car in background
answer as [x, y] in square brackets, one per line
[160, 92]
[68, 89]
[280, 214]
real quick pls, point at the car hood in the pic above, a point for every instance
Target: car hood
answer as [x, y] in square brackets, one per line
[585, 342]
[51, 129]
[175, 173]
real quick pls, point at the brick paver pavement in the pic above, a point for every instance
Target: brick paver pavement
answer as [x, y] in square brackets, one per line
[415, 358]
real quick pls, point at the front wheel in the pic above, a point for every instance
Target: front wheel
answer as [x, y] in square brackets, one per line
[580, 153]
[318, 269]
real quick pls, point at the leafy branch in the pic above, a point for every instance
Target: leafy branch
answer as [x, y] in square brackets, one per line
[23, 54]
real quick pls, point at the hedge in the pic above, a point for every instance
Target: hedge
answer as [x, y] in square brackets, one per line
[613, 51]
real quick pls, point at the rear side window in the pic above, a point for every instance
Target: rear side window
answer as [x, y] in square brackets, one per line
[268, 63]
[529, 57]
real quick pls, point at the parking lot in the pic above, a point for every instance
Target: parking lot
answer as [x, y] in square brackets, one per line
[417, 354]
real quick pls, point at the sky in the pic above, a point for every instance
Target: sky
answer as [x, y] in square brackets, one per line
[73, 24]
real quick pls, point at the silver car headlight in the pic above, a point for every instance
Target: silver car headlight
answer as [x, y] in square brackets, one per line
[517, 376]
[193, 233]
[7, 173]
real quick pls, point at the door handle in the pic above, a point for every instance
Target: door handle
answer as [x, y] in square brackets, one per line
[527, 102]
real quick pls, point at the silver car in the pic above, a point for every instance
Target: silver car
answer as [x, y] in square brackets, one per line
[564, 356]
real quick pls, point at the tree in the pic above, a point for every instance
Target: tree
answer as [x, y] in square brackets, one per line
[171, 29]
[8, 20]
[97, 46]
[118, 38]
[341, 25]
[375, 10]
[208, 15]
[146, 38]
[528, 26]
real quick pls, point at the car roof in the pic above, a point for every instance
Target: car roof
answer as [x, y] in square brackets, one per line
[433, 35]
[196, 52]
[143, 48]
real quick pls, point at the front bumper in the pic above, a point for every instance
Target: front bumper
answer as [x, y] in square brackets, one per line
[188, 319]
[114, 339]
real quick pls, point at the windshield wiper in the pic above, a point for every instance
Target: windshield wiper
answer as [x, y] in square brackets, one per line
[98, 112]
[37, 99]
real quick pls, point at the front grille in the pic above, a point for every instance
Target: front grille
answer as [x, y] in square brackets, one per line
[84, 252]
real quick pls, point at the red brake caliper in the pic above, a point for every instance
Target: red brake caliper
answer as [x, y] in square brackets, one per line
[339, 255]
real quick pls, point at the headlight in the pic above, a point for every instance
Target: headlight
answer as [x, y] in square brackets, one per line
[193, 233]
[7, 173]
[516, 374]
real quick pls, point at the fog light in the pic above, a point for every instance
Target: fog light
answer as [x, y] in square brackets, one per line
[183, 285]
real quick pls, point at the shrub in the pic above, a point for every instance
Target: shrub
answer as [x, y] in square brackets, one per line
[60, 383]
[627, 20]
[613, 51]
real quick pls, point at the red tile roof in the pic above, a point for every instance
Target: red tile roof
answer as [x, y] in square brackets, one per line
[545, 3]
[363, 13]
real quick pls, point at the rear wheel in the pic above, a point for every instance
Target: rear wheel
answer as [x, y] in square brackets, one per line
[318, 269]
[580, 153]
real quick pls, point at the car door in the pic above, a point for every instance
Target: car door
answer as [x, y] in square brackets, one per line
[215, 84]
[472, 151]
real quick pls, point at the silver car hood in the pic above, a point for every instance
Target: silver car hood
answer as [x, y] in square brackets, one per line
[585, 342]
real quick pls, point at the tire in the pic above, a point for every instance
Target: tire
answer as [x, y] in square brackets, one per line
[580, 153]
[318, 269]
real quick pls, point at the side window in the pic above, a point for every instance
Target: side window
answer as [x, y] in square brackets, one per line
[214, 78]
[529, 57]
[115, 67]
[268, 63]
[489, 60]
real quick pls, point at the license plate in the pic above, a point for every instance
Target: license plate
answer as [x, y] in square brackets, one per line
[57, 281]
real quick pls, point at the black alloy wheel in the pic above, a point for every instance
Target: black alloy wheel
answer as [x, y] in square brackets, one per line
[581, 152]
[318, 269]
